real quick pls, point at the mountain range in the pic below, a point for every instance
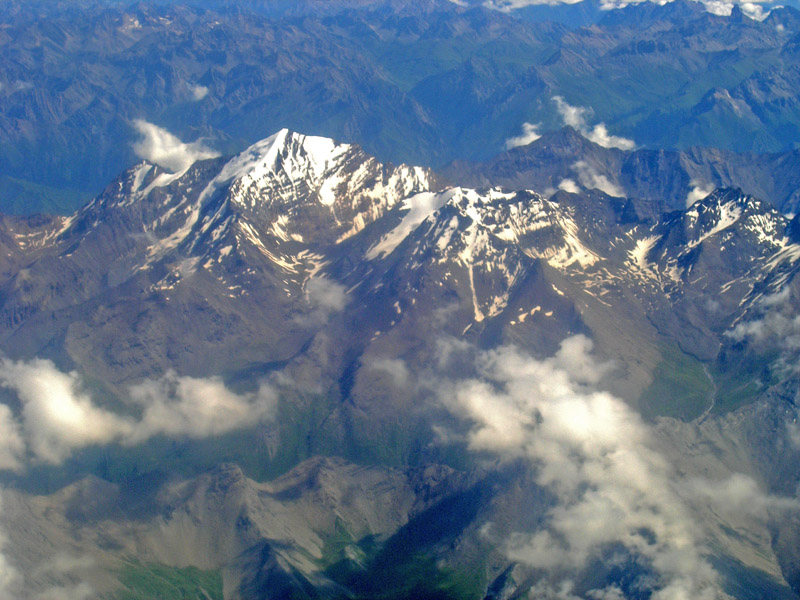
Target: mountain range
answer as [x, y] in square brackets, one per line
[399, 299]
[657, 181]
[423, 82]
[301, 372]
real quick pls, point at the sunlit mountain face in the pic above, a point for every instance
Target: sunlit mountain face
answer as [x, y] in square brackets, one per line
[399, 299]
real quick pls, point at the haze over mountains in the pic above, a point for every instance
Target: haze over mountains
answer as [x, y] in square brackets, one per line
[399, 299]
[416, 82]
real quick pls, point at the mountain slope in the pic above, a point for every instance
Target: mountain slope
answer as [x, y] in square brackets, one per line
[553, 358]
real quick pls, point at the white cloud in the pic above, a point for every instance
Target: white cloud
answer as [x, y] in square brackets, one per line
[617, 4]
[325, 297]
[724, 8]
[754, 10]
[611, 592]
[741, 495]
[70, 570]
[568, 185]
[529, 134]
[159, 146]
[512, 5]
[600, 136]
[196, 407]
[777, 323]
[59, 416]
[574, 116]
[593, 453]
[574, 357]
[326, 294]
[577, 117]
[698, 192]
[565, 590]
[590, 178]
[199, 92]
[611, 484]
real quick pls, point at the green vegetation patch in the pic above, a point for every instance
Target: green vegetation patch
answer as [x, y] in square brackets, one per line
[415, 575]
[681, 387]
[405, 566]
[148, 581]
[741, 378]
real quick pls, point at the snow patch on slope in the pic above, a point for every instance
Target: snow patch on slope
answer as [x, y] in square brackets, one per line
[419, 207]
[730, 213]
[638, 255]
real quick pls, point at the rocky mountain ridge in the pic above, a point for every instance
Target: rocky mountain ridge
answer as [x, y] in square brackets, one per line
[341, 313]
[263, 227]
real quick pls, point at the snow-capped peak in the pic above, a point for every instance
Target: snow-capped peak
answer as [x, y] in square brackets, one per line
[288, 156]
[293, 155]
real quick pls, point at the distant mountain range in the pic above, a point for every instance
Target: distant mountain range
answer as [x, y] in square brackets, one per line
[326, 304]
[423, 82]
[515, 315]
[657, 181]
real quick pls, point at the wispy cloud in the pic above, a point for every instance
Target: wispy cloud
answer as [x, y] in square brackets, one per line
[325, 294]
[590, 178]
[58, 415]
[577, 117]
[159, 146]
[196, 407]
[325, 297]
[15, 86]
[776, 323]
[724, 8]
[740, 494]
[75, 591]
[529, 134]
[395, 368]
[569, 185]
[70, 571]
[612, 488]
[512, 5]
[754, 10]
[199, 92]
[698, 191]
